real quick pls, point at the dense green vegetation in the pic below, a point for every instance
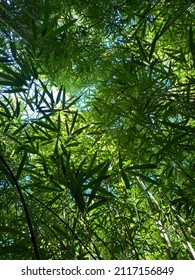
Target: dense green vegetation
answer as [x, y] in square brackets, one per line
[97, 129]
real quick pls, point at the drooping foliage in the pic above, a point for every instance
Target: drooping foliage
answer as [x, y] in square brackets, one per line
[97, 129]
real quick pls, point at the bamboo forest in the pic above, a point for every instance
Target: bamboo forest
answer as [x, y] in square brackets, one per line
[97, 130]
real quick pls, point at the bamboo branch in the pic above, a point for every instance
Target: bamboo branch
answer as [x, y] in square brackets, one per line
[28, 217]
[64, 223]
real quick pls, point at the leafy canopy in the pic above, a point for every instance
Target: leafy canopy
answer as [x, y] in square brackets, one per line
[97, 129]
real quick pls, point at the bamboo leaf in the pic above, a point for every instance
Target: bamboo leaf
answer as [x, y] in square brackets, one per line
[51, 202]
[47, 13]
[191, 41]
[152, 49]
[93, 159]
[142, 51]
[58, 97]
[73, 144]
[95, 170]
[60, 231]
[142, 166]
[71, 103]
[145, 178]
[63, 28]
[73, 121]
[106, 194]
[80, 202]
[21, 166]
[126, 180]
[17, 109]
[63, 99]
[120, 161]
[15, 90]
[67, 128]
[7, 112]
[47, 126]
[12, 84]
[168, 146]
[59, 124]
[79, 130]
[98, 204]
[13, 49]
[96, 182]
[13, 75]
[19, 129]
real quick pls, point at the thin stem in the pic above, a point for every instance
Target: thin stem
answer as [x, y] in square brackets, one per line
[28, 217]
[65, 224]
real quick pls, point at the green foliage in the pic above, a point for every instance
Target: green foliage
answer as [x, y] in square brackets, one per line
[97, 126]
